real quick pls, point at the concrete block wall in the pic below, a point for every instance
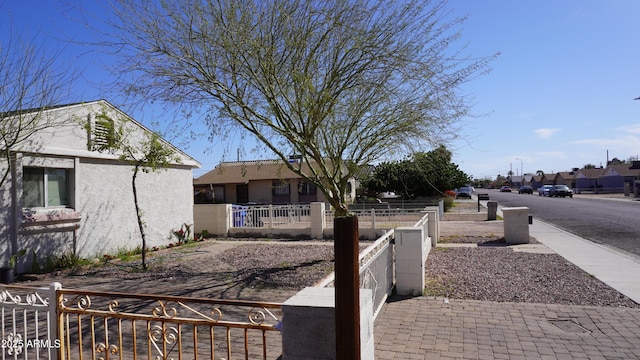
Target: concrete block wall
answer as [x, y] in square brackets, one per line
[412, 249]
[215, 218]
[308, 325]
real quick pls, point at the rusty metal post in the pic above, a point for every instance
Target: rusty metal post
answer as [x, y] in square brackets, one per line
[347, 285]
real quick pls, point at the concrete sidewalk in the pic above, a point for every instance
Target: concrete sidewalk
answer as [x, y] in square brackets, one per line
[614, 267]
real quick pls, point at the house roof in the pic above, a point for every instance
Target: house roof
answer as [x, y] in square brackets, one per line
[589, 173]
[185, 159]
[567, 175]
[244, 171]
[620, 169]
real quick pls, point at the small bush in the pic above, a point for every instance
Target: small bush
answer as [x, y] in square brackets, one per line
[448, 203]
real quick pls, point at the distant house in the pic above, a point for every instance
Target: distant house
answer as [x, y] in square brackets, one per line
[615, 178]
[515, 180]
[536, 181]
[63, 196]
[549, 179]
[587, 180]
[257, 182]
[566, 178]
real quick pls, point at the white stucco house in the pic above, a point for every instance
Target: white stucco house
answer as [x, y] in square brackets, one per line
[62, 195]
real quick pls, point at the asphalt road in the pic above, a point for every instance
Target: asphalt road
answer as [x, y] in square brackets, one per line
[613, 222]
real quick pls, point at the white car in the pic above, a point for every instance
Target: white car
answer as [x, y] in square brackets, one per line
[544, 190]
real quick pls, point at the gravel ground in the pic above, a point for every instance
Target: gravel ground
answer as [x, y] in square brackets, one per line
[491, 271]
[494, 272]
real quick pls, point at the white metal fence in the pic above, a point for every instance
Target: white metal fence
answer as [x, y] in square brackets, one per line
[283, 216]
[270, 216]
[29, 325]
[381, 218]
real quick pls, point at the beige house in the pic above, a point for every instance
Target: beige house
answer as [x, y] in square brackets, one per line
[257, 182]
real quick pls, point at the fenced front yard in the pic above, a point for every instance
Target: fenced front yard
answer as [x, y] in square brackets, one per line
[59, 323]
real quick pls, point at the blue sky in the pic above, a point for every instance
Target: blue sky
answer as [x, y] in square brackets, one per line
[559, 96]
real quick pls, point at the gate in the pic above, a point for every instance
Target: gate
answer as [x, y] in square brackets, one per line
[56, 323]
[110, 325]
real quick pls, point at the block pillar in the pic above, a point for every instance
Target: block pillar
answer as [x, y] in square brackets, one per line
[318, 222]
[434, 226]
[411, 254]
[308, 330]
[516, 225]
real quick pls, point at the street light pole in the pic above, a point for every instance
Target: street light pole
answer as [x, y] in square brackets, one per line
[521, 167]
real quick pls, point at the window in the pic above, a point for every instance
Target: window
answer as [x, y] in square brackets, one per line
[305, 188]
[280, 188]
[45, 187]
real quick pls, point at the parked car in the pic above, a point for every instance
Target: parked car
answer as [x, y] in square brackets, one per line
[525, 190]
[505, 189]
[464, 192]
[560, 191]
[544, 190]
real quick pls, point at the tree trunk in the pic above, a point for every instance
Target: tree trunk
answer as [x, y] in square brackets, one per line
[139, 216]
[347, 287]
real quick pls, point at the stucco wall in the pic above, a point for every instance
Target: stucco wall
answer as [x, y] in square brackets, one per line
[105, 199]
[260, 191]
[100, 191]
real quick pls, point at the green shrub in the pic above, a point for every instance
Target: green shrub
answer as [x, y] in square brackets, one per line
[448, 203]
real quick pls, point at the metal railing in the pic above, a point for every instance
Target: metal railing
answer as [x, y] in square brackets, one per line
[380, 218]
[377, 271]
[297, 216]
[28, 322]
[103, 325]
[377, 265]
[56, 323]
[271, 216]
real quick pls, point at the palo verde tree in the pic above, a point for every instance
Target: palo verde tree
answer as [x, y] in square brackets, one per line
[147, 154]
[339, 83]
[30, 82]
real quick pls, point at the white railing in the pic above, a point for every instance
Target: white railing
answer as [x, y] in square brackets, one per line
[381, 218]
[29, 328]
[270, 216]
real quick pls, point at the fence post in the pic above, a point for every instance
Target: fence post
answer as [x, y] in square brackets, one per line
[373, 220]
[433, 226]
[318, 220]
[52, 320]
[270, 217]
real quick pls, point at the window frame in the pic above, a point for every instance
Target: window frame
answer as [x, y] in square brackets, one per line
[44, 186]
[307, 188]
[283, 186]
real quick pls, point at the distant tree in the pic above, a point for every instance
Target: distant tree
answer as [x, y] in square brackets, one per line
[340, 83]
[29, 84]
[149, 155]
[423, 174]
[615, 161]
[589, 166]
[539, 172]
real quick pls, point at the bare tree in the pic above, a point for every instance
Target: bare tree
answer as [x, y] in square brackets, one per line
[339, 83]
[29, 84]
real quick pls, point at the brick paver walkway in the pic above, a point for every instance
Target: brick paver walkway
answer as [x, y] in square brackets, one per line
[432, 328]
